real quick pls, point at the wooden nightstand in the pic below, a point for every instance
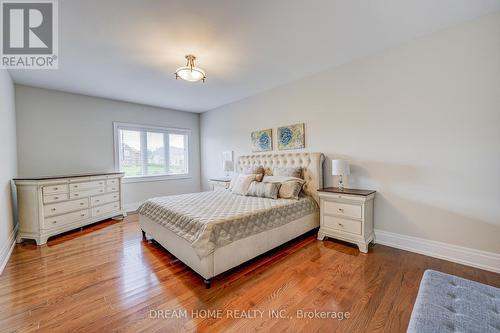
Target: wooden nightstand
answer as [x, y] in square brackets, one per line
[220, 183]
[347, 215]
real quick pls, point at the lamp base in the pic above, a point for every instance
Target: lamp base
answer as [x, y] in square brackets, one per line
[341, 183]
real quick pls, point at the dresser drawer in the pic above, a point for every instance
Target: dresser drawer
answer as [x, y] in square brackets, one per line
[85, 193]
[65, 207]
[350, 226]
[112, 188]
[54, 189]
[87, 185]
[104, 199]
[112, 182]
[61, 220]
[55, 198]
[342, 209]
[96, 211]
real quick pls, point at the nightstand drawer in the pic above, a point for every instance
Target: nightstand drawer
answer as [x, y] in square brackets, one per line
[353, 227]
[342, 209]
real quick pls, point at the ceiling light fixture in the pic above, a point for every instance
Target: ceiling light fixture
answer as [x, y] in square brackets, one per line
[190, 72]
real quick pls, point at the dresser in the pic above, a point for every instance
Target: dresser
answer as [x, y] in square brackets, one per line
[347, 215]
[48, 206]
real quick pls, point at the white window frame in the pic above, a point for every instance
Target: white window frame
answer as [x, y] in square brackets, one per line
[150, 128]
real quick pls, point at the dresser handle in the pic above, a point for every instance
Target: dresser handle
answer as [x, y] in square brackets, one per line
[76, 194]
[54, 222]
[53, 209]
[97, 200]
[81, 204]
[56, 198]
[341, 210]
[56, 188]
[340, 224]
[82, 215]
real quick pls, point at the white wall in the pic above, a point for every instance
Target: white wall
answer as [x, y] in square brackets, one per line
[8, 166]
[420, 123]
[61, 133]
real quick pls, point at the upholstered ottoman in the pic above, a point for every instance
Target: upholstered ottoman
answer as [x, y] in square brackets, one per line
[446, 303]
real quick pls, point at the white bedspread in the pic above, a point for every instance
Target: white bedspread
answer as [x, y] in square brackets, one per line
[213, 219]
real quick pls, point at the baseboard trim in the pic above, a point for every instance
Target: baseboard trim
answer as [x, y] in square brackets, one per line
[476, 258]
[7, 249]
[131, 207]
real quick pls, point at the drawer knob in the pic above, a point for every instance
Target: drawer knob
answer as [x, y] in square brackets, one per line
[341, 210]
[54, 222]
[56, 188]
[53, 209]
[340, 224]
[97, 200]
[76, 194]
[81, 204]
[82, 215]
[56, 198]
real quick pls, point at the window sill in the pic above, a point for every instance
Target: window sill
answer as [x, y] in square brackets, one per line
[142, 179]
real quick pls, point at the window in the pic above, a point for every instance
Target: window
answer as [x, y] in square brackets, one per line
[152, 152]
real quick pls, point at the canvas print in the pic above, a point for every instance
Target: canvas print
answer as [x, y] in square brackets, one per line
[291, 137]
[262, 140]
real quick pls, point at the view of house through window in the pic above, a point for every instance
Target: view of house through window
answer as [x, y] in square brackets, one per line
[154, 151]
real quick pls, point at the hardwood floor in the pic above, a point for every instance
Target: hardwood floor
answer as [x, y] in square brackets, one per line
[105, 278]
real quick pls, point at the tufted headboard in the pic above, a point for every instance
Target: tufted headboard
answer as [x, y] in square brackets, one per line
[311, 164]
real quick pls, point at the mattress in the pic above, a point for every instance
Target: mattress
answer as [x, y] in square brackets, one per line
[208, 220]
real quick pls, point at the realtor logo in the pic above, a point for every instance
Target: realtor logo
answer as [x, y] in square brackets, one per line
[29, 34]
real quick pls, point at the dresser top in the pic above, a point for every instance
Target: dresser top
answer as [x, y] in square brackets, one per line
[71, 176]
[351, 191]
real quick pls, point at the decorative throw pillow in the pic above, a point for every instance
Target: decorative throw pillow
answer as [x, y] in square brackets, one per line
[288, 172]
[290, 186]
[290, 190]
[264, 190]
[242, 184]
[254, 170]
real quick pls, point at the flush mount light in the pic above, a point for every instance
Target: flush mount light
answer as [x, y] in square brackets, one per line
[190, 72]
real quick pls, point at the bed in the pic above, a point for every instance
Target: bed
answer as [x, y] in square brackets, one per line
[214, 231]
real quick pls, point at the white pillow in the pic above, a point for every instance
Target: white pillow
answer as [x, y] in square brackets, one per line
[234, 178]
[282, 179]
[242, 184]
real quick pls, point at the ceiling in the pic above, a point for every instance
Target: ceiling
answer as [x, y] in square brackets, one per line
[129, 49]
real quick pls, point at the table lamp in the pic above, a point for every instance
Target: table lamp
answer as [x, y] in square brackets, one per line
[340, 168]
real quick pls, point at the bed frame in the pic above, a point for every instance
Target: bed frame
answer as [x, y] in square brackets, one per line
[242, 250]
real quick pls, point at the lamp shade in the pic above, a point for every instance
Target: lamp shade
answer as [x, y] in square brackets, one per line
[228, 166]
[340, 168]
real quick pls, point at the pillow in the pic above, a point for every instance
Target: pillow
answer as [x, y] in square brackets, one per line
[254, 170]
[288, 172]
[290, 186]
[290, 190]
[264, 190]
[242, 184]
[234, 178]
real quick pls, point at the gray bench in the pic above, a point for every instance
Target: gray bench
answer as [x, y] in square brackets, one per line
[447, 303]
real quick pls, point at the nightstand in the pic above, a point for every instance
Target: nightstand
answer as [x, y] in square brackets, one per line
[347, 215]
[220, 183]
